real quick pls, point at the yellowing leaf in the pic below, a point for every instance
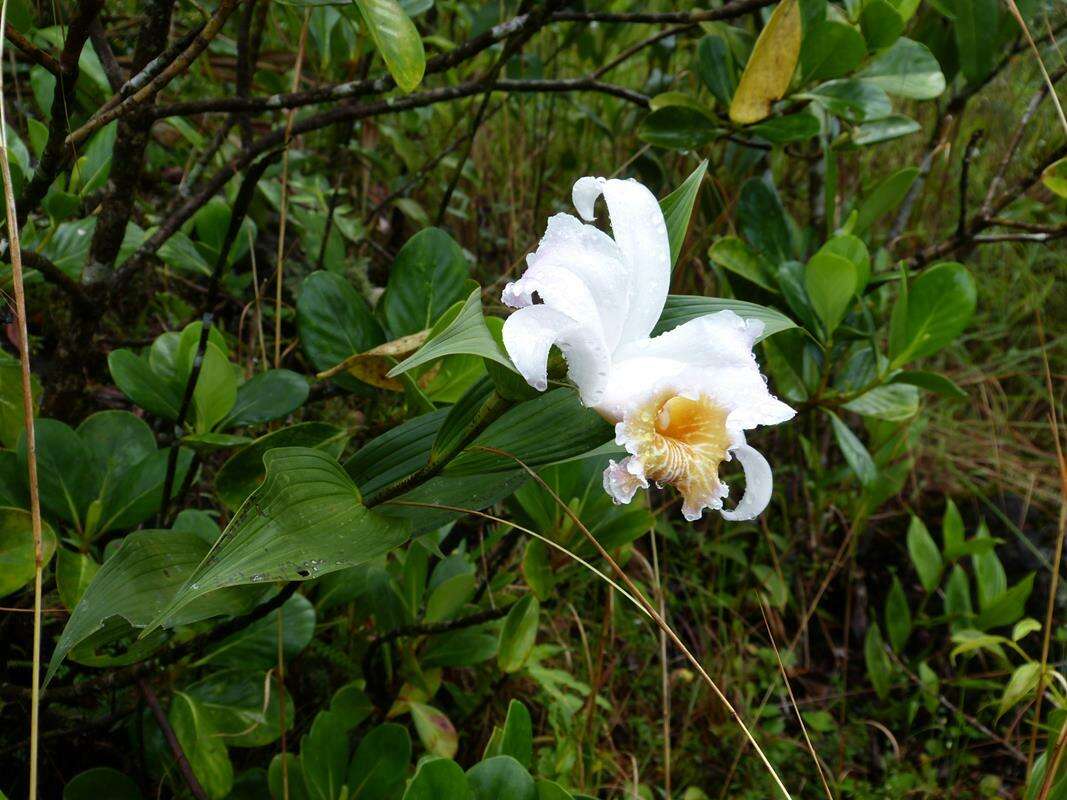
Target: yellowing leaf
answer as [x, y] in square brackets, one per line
[770, 67]
[372, 366]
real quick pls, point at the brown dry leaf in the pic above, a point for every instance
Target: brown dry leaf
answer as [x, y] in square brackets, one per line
[770, 67]
[371, 367]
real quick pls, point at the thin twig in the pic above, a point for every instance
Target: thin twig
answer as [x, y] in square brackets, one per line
[279, 272]
[30, 50]
[172, 741]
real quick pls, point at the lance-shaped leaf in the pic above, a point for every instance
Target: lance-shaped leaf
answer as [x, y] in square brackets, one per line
[461, 329]
[681, 308]
[677, 208]
[770, 67]
[307, 518]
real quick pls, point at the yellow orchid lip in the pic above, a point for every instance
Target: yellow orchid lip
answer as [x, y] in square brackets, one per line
[681, 441]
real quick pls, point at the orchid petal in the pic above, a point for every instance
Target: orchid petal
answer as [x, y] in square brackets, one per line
[623, 479]
[579, 270]
[640, 232]
[710, 355]
[529, 334]
[758, 485]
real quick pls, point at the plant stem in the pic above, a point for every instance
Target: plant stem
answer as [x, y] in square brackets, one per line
[172, 741]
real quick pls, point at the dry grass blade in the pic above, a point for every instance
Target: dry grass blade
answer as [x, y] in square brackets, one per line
[284, 201]
[27, 411]
[1040, 62]
[793, 700]
[653, 613]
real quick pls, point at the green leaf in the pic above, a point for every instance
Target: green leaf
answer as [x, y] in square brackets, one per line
[958, 606]
[438, 779]
[716, 68]
[738, 257]
[205, 751]
[427, 277]
[449, 597]
[67, 481]
[306, 519]
[897, 616]
[892, 402]
[537, 569]
[884, 197]
[436, 731]
[798, 127]
[215, 392]
[677, 128]
[976, 38]
[831, 49]
[677, 208]
[99, 783]
[1024, 628]
[74, 572]
[323, 751]
[517, 739]
[518, 634]
[466, 332]
[256, 646]
[932, 382]
[1008, 607]
[907, 69]
[17, 559]
[831, 283]
[682, 308]
[853, 250]
[335, 322]
[939, 305]
[236, 706]
[380, 763]
[852, 100]
[12, 418]
[276, 776]
[925, 555]
[1022, 683]
[135, 584]
[244, 470]
[397, 39]
[879, 669]
[989, 574]
[550, 790]
[521, 432]
[501, 778]
[1055, 177]
[770, 67]
[951, 532]
[267, 396]
[883, 130]
[882, 24]
[762, 220]
[396, 453]
[854, 451]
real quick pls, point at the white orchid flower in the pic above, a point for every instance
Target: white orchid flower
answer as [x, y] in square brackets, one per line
[681, 401]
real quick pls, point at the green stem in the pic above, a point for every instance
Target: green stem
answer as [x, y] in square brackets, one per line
[491, 409]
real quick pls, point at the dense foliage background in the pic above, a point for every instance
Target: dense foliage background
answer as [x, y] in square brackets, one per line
[264, 245]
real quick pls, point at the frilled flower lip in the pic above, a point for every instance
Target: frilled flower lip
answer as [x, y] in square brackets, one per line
[600, 297]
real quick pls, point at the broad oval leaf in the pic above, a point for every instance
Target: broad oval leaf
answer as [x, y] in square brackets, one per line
[306, 519]
[501, 778]
[427, 277]
[518, 634]
[437, 779]
[379, 765]
[936, 308]
[907, 69]
[17, 558]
